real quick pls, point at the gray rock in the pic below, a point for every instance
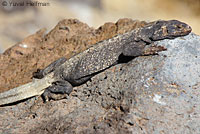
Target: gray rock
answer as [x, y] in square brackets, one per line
[150, 94]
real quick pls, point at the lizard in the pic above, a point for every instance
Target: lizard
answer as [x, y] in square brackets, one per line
[62, 75]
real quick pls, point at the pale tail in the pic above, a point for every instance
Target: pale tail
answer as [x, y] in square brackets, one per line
[25, 91]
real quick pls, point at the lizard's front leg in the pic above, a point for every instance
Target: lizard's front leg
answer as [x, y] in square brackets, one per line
[141, 48]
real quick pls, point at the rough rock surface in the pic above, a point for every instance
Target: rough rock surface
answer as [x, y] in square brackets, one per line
[68, 38]
[150, 94]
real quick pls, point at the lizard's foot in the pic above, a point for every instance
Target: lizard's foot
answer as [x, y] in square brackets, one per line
[50, 68]
[58, 90]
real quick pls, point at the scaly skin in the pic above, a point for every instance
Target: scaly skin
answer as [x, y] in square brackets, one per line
[62, 75]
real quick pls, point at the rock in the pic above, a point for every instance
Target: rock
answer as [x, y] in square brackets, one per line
[150, 94]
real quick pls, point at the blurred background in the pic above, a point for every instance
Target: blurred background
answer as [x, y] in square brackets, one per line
[20, 18]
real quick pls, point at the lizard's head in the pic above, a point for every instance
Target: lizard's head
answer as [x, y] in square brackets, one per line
[170, 29]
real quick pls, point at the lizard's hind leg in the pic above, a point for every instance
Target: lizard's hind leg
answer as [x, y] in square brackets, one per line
[50, 68]
[58, 90]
